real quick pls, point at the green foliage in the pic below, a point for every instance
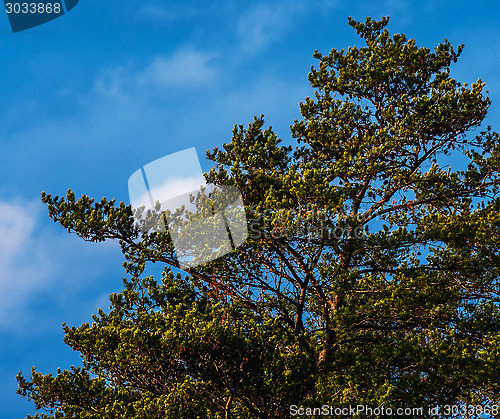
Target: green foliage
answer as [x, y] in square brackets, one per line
[167, 350]
[370, 275]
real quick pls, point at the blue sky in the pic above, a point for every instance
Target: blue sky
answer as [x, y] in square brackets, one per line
[89, 98]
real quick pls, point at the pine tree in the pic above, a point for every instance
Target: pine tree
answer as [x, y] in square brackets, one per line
[370, 275]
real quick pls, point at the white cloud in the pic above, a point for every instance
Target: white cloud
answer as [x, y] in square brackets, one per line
[158, 12]
[16, 225]
[155, 12]
[266, 22]
[186, 68]
[24, 265]
[46, 273]
[261, 25]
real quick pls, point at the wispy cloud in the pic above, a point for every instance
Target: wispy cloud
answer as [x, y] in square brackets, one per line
[185, 68]
[157, 12]
[267, 22]
[46, 274]
[263, 23]
[25, 267]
